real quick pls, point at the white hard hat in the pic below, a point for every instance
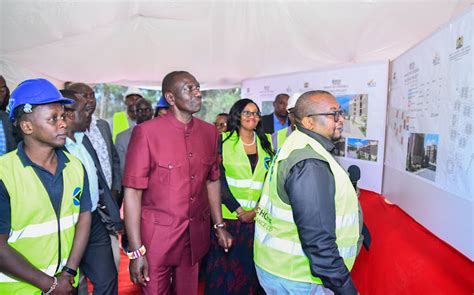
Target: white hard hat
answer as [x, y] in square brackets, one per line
[133, 90]
[292, 101]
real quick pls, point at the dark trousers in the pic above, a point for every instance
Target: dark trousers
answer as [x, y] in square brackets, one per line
[98, 260]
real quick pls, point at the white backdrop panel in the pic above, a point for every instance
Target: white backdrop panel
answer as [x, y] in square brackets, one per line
[430, 142]
[364, 128]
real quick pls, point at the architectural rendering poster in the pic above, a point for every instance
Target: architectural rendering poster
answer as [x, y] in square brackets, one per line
[431, 109]
[361, 90]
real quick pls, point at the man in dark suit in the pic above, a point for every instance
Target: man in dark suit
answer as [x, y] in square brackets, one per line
[100, 135]
[98, 260]
[279, 118]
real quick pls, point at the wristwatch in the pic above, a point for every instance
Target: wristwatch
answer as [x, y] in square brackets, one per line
[70, 271]
[219, 225]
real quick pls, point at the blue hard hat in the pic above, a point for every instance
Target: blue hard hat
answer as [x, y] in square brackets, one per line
[162, 103]
[34, 92]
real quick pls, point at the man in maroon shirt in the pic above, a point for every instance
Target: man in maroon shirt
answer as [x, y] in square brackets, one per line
[172, 188]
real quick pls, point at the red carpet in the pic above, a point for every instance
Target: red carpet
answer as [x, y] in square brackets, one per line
[404, 258]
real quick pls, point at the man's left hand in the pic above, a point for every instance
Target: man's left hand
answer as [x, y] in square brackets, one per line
[247, 216]
[68, 275]
[224, 238]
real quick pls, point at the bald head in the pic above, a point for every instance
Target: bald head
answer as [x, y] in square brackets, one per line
[311, 102]
[87, 92]
[320, 112]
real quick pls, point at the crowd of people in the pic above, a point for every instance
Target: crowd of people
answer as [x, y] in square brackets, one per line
[259, 201]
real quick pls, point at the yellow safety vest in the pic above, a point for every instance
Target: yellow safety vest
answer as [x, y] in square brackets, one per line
[120, 123]
[36, 232]
[279, 137]
[277, 248]
[244, 185]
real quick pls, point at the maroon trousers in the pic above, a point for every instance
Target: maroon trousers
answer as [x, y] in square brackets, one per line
[181, 279]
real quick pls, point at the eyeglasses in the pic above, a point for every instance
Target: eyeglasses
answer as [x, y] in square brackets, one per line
[191, 88]
[336, 114]
[143, 110]
[248, 114]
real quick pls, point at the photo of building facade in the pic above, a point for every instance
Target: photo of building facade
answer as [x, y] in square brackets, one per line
[421, 154]
[355, 107]
[362, 149]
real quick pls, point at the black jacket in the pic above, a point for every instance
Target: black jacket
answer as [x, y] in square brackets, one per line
[114, 159]
[267, 124]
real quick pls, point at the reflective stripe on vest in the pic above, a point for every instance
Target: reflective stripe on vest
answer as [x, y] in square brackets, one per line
[247, 203]
[341, 221]
[120, 123]
[276, 234]
[244, 185]
[38, 230]
[295, 248]
[34, 227]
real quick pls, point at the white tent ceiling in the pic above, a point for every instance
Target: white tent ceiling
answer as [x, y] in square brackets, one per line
[220, 42]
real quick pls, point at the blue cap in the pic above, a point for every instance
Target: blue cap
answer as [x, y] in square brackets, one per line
[34, 92]
[162, 103]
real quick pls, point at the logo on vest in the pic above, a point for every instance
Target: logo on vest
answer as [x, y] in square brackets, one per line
[264, 218]
[267, 162]
[76, 195]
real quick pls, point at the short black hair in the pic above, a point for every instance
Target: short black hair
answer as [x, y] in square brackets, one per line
[223, 115]
[18, 115]
[169, 80]
[141, 100]
[280, 95]
[68, 93]
[79, 87]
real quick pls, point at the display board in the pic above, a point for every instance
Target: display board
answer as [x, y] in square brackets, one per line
[361, 91]
[430, 138]
[431, 111]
